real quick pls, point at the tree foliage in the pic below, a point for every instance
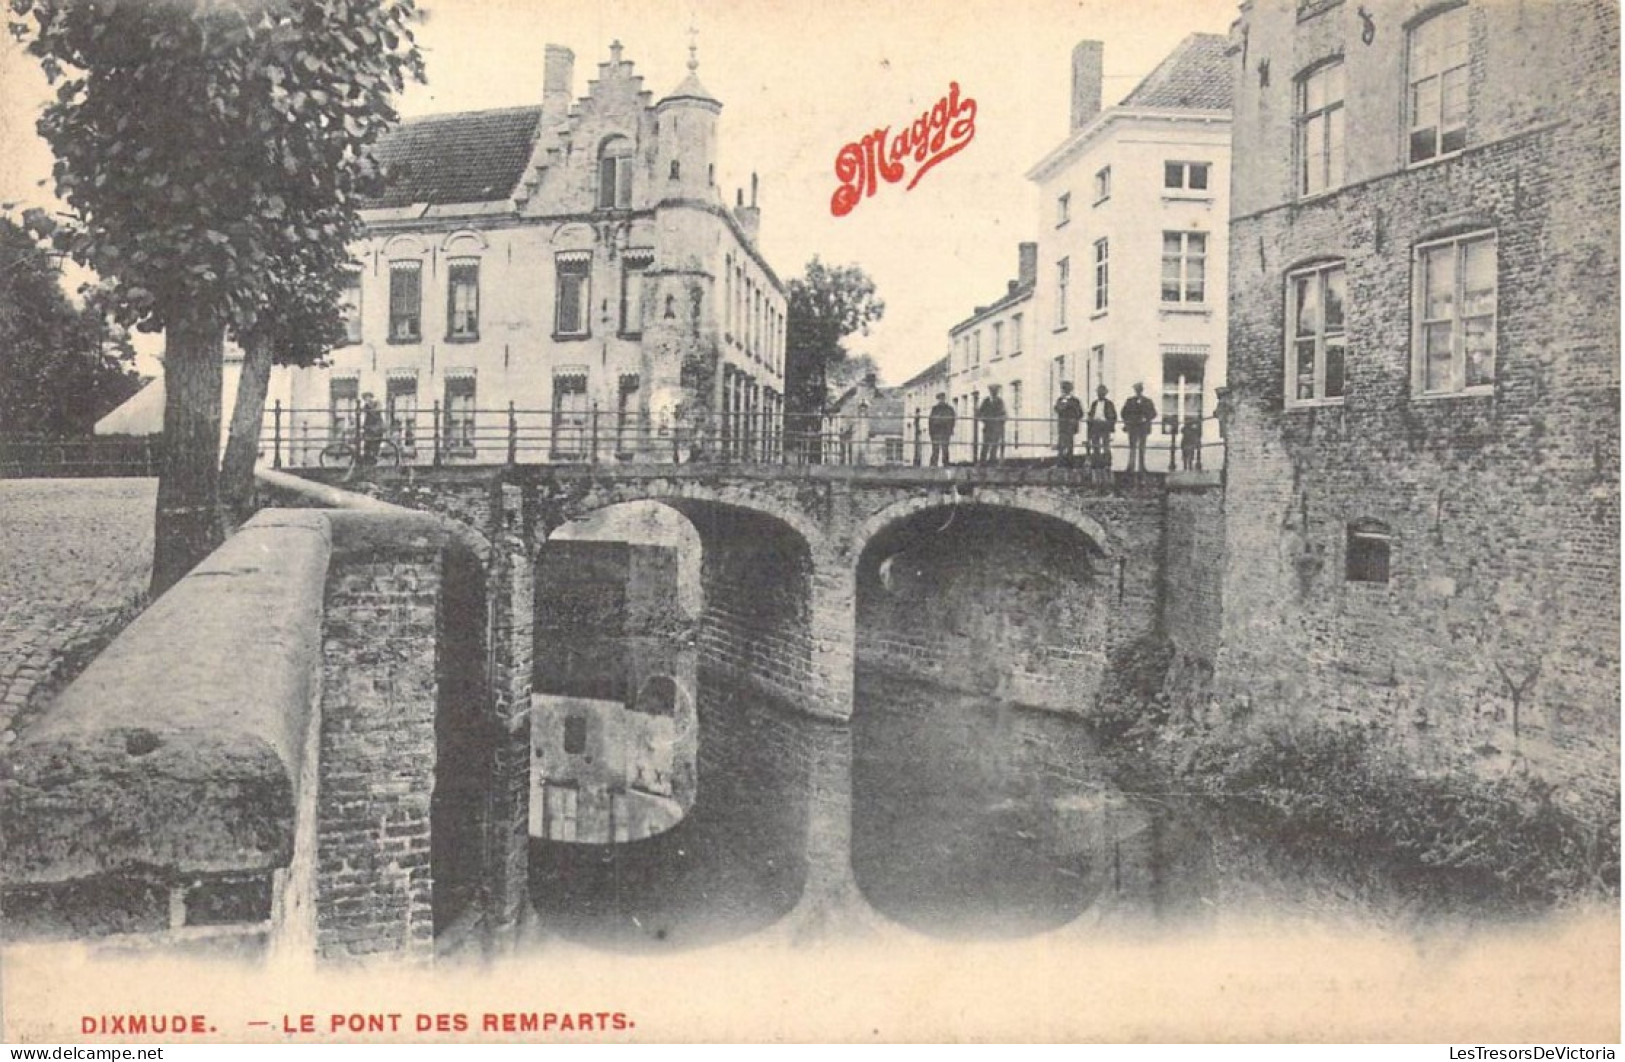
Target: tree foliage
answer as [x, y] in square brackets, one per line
[826, 305]
[204, 145]
[62, 367]
[213, 154]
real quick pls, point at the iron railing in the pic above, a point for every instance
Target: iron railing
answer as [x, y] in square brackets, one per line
[437, 436]
[82, 456]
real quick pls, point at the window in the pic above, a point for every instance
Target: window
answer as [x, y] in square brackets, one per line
[462, 299]
[1063, 271]
[1182, 374]
[574, 290]
[998, 340]
[1096, 371]
[1015, 334]
[1103, 184]
[342, 396]
[401, 410]
[569, 415]
[1015, 414]
[575, 734]
[615, 174]
[1102, 274]
[1438, 86]
[1185, 176]
[1184, 267]
[459, 429]
[626, 414]
[1316, 334]
[405, 302]
[1063, 209]
[1365, 558]
[559, 811]
[1455, 332]
[976, 347]
[632, 272]
[1320, 129]
[350, 306]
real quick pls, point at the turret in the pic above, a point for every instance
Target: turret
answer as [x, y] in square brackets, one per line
[687, 145]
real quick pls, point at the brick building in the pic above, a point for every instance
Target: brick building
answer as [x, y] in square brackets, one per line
[1423, 498]
[575, 258]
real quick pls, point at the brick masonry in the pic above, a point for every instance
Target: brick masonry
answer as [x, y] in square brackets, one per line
[1012, 605]
[1496, 637]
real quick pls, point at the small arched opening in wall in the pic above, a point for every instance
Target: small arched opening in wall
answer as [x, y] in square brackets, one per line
[979, 807]
[658, 768]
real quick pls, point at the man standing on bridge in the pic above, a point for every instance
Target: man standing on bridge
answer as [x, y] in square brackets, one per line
[1102, 422]
[941, 424]
[992, 415]
[1138, 413]
[1068, 415]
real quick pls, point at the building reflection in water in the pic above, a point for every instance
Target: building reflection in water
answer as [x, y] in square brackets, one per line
[613, 769]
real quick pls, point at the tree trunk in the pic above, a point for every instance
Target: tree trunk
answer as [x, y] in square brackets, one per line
[187, 528]
[243, 443]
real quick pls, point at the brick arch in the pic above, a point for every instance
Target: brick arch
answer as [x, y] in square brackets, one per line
[777, 613]
[814, 536]
[1036, 502]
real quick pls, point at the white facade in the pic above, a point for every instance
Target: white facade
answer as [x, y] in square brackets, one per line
[572, 262]
[1133, 247]
[996, 346]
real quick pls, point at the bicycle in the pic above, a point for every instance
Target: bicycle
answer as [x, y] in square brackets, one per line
[341, 453]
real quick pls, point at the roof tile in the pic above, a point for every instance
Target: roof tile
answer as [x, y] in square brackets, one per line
[470, 157]
[1196, 75]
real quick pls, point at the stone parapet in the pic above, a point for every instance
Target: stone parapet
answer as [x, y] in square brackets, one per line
[175, 757]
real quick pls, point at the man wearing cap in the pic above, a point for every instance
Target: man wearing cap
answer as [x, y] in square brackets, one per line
[941, 424]
[1068, 415]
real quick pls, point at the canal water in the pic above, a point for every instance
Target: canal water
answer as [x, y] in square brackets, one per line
[672, 809]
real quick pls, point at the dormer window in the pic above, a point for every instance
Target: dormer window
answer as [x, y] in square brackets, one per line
[615, 174]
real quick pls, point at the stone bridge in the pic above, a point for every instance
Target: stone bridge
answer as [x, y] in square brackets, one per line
[358, 785]
[793, 557]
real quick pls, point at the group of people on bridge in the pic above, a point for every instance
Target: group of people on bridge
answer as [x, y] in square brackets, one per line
[1101, 420]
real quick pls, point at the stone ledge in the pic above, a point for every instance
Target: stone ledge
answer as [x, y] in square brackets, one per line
[178, 749]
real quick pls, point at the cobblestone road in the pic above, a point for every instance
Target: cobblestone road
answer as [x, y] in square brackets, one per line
[75, 557]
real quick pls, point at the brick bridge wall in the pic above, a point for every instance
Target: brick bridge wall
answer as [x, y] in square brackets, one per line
[782, 549]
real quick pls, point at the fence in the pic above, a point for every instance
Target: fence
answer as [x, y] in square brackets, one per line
[51, 457]
[304, 437]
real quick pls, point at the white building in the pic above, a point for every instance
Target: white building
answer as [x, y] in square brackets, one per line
[574, 261]
[994, 346]
[1132, 248]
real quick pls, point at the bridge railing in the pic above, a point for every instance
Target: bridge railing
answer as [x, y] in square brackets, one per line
[58, 457]
[295, 437]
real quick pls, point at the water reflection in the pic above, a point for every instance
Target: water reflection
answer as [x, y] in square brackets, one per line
[731, 863]
[614, 737]
[977, 818]
[948, 814]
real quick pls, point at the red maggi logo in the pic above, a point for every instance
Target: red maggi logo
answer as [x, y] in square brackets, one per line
[942, 131]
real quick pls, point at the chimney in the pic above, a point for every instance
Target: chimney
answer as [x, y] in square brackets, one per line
[1027, 265]
[749, 217]
[558, 69]
[1088, 61]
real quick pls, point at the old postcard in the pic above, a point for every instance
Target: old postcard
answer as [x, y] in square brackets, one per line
[1067, 521]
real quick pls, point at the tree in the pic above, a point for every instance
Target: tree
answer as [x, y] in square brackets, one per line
[826, 305]
[62, 367]
[212, 152]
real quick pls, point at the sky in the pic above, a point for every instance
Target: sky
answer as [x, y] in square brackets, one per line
[798, 81]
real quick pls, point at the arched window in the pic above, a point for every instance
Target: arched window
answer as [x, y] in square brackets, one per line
[1367, 551]
[615, 174]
